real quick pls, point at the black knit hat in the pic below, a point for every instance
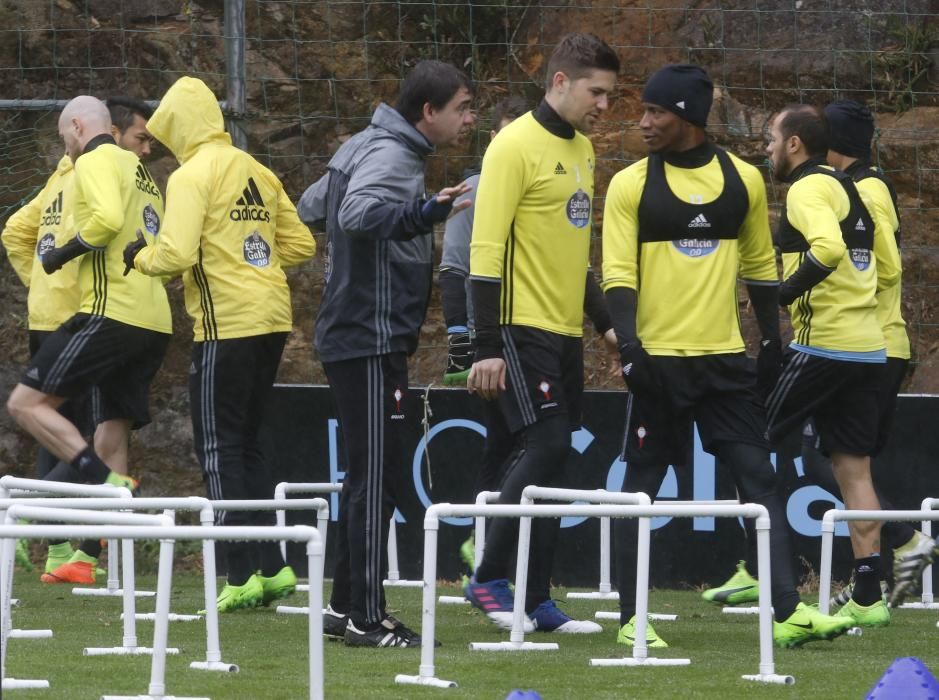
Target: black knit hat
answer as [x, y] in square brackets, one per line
[681, 88]
[851, 128]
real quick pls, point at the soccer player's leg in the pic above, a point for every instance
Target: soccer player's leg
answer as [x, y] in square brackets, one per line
[218, 399]
[847, 426]
[656, 434]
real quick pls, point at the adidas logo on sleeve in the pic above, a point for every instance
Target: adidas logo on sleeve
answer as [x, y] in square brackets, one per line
[250, 205]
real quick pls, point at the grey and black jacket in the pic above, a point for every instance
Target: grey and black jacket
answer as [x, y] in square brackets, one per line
[379, 256]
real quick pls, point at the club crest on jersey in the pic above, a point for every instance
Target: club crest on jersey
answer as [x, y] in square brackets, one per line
[44, 245]
[398, 413]
[578, 209]
[250, 206]
[151, 220]
[696, 247]
[257, 251]
[860, 258]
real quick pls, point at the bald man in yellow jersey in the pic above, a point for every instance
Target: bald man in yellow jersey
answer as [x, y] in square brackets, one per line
[679, 228]
[117, 339]
[835, 368]
[528, 270]
[41, 225]
[230, 230]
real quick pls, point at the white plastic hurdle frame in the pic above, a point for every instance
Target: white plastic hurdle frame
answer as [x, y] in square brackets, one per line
[828, 535]
[206, 508]
[281, 491]
[129, 646]
[17, 487]
[7, 557]
[926, 601]
[432, 517]
[167, 534]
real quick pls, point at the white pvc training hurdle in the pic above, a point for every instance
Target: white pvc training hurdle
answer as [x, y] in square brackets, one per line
[206, 509]
[766, 674]
[828, 534]
[167, 534]
[17, 487]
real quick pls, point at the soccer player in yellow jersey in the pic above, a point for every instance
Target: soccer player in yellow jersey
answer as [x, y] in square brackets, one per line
[43, 224]
[834, 372]
[117, 339]
[528, 271]
[229, 229]
[680, 227]
[851, 128]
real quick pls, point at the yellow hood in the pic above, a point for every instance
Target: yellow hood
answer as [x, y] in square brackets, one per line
[65, 164]
[187, 118]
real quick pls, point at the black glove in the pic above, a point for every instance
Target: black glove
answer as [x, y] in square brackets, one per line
[55, 259]
[808, 274]
[637, 369]
[433, 211]
[768, 366]
[131, 250]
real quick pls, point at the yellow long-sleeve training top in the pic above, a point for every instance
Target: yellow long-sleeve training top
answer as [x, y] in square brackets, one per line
[229, 228]
[45, 222]
[838, 316]
[532, 226]
[115, 197]
[680, 229]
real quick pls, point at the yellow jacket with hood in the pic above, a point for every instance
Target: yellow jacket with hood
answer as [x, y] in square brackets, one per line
[229, 226]
[44, 223]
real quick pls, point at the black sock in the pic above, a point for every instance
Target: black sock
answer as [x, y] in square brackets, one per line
[866, 580]
[271, 560]
[92, 469]
[91, 547]
[63, 472]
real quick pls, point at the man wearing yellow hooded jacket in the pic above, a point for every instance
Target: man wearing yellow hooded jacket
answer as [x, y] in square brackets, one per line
[229, 229]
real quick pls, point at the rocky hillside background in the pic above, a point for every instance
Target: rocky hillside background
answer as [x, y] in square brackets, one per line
[315, 71]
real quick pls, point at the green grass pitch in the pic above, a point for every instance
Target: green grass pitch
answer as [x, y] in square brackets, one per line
[271, 650]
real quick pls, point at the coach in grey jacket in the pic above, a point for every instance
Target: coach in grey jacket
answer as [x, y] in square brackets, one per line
[378, 220]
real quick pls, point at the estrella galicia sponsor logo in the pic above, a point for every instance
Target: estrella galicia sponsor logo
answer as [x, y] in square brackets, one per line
[144, 181]
[151, 220]
[52, 216]
[250, 206]
[44, 245]
[257, 251]
[696, 247]
[860, 258]
[578, 209]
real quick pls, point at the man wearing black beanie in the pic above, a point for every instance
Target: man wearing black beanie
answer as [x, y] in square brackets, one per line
[679, 228]
[851, 128]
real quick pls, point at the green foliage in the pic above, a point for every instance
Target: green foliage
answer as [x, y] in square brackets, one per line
[899, 70]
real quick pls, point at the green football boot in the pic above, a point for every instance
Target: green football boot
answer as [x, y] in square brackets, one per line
[875, 615]
[627, 635]
[278, 586]
[807, 624]
[738, 589]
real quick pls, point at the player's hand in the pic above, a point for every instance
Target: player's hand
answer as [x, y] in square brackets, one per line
[441, 206]
[637, 369]
[131, 250]
[53, 260]
[768, 366]
[487, 377]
